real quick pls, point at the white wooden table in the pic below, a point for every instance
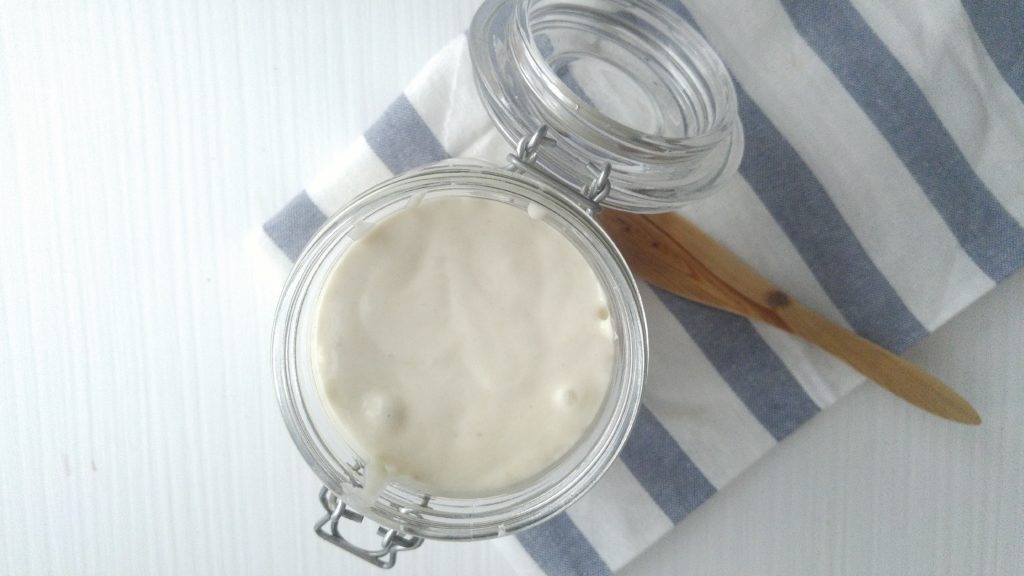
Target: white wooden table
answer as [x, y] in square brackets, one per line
[140, 141]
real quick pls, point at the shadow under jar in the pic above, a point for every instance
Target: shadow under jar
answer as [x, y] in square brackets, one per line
[608, 103]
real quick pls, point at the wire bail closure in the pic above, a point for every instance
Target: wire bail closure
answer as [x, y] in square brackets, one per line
[392, 541]
[589, 195]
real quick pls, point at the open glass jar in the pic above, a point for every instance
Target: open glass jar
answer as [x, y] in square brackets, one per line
[609, 102]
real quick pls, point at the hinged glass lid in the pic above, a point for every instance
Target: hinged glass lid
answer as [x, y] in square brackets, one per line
[628, 83]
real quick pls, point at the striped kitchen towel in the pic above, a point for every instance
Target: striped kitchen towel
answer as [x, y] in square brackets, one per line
[882, 185]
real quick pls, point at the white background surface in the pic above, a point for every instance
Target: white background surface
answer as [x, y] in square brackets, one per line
[139, 143]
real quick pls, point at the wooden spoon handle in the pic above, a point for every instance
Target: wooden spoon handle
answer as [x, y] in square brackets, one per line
[673, 254]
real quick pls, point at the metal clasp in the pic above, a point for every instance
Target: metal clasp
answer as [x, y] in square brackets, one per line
[392, 541]
[588, 195]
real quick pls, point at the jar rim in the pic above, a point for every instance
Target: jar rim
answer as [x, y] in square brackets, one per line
[404, 508]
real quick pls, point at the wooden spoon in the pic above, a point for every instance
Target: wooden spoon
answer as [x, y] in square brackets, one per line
[673, 254]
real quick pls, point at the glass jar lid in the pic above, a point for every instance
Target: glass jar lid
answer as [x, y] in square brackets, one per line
[624, 83]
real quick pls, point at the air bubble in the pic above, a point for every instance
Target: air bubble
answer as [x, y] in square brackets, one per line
[567, 397]
[536, 211]
[383, 412]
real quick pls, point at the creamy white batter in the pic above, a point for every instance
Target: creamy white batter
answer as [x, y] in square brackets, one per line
[463, 344]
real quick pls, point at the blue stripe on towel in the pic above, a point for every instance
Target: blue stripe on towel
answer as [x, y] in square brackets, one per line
[663, 469]
[293, 226]
[747, 364]
[1000, 25]
[827, 244]
[559, 548]
[402, 140]
[889, 96]
[808, 216]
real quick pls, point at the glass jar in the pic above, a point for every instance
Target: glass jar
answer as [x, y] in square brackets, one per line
[539, 65]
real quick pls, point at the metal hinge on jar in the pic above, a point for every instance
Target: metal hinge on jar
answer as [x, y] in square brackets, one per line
[588, 195]
[392, 541]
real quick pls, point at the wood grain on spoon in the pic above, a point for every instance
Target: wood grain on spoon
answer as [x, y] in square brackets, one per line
[674, 255]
